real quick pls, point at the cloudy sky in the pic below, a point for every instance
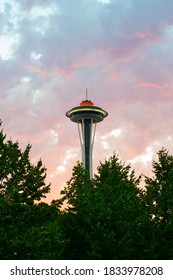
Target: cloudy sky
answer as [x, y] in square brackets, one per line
[121, 50]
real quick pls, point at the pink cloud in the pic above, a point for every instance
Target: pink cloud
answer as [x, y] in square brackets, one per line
[147, 35]
[36, 70]
[152, 85]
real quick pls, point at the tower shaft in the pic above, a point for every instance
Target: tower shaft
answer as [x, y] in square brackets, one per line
[87, 140]
[87, 128]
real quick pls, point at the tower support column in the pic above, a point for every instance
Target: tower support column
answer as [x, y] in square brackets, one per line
[86, 129]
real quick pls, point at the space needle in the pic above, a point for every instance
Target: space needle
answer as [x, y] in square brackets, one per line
[87, 116]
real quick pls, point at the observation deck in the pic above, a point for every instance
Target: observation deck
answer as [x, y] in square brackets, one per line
[86, 110]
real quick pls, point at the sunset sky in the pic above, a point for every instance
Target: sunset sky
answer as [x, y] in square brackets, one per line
[121, 50]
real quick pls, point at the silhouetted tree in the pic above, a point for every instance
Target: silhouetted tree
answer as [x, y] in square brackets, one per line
[28, 229]
[20, 181]
[159, 202]
[103, 215]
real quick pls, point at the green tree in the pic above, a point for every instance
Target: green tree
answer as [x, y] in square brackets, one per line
[159, 205]
[76, 196]
[30, 232]
[20, 181]
[104, 215]
[118, 211]
[76, 189]
[29, 228]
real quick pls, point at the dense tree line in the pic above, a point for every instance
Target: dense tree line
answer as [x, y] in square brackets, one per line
[108, 217]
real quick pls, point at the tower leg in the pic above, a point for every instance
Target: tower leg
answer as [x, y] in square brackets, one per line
[86, 129]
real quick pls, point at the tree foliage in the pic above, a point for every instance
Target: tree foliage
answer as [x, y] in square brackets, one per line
[20, 181]
[104, 212]
[159, 205]
[111, 217]
[27, 227]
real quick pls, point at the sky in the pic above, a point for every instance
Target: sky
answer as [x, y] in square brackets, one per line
[121, 50]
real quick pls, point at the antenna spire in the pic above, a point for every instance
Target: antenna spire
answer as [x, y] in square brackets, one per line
[86, 94]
